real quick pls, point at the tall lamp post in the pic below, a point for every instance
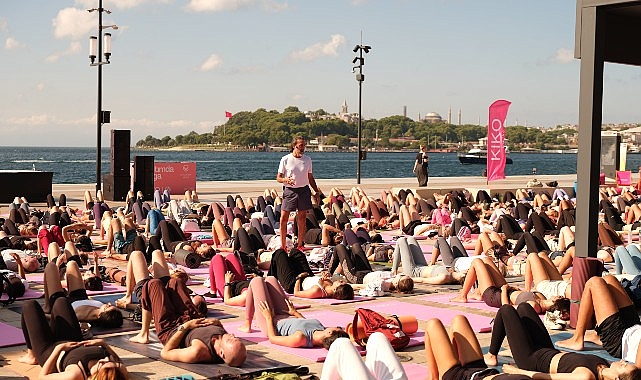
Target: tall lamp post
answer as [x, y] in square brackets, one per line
[96, 50]
[359, 61]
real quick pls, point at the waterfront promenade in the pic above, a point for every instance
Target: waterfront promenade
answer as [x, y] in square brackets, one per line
[142, 367]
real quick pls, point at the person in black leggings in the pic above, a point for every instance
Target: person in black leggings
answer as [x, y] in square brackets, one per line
[352, 262]
[534, 352]
[458, 355]
[59, 348]
[509, 226]
[533, 242]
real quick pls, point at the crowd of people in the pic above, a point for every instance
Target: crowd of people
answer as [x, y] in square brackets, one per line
[305, 243]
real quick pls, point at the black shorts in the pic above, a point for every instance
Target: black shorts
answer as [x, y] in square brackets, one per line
[612, 328]
[296, 198]
[77, 295]
[476, 370]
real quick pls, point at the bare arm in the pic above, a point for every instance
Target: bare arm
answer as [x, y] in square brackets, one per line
[295, 340]
[312, 183]
[192, 354]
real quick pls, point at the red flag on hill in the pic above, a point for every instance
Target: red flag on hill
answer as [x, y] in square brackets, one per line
[228, 114]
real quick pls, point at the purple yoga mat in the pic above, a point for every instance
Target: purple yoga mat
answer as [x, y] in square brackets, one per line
[415, 371]
[28, 294]
[423, 312]
[10, 336]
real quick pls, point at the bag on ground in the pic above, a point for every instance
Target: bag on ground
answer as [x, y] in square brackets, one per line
[370, 322]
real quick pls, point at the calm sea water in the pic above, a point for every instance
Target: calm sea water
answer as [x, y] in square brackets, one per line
[78, 165]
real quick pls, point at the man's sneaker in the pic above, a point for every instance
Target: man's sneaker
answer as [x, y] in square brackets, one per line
[551, 321]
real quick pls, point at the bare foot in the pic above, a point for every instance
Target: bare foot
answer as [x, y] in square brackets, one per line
[490, 360]
[573, 343]
[460, 298]
[28, 358]
[592, 336]
[246, 327]
[123, 302]
[141, 337]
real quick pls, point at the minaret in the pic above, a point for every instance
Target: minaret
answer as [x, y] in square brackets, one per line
[404, 111]
[449, 115]
[459, 116]
[344, 107]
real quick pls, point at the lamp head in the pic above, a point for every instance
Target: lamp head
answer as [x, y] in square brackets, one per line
[356, 48]
[367, 48]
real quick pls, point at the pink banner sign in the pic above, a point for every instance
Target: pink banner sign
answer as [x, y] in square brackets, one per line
[496, 140]
[177, 177]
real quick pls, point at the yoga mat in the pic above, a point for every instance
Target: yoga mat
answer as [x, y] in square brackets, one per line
[111, 298]
[444, 298]
[10, 336]
[28, 294]
[107, 288]
[330, 301]
[254, 363]
[202, 269]
[415, 371]
[423, 312]
[588, 347]
[327, 318]
[127, 325]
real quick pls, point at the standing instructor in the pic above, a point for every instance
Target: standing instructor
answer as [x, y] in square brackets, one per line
[295, 173]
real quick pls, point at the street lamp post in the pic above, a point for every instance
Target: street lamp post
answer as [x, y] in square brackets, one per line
[96, 52]
[360, 77]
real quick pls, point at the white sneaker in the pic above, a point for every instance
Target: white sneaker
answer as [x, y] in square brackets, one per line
[550, 322]
[206, 283]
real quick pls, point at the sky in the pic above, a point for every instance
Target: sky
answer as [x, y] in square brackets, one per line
[178, 65]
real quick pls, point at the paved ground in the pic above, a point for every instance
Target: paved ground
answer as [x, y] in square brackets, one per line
[141, 367]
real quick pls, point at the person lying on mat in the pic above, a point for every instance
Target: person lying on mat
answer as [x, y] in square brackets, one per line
[173, 239]
[184, 334]
[409, 255]
[58, 347]
[495, 291]
[534, 353]
[457, 355]
[618, 325]
[381, 362]
[17, 285]
[123, 238]
[279, 320]
[86, 310]
[293, 272]
[28, 262]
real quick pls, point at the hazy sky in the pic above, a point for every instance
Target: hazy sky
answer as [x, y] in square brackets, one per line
[178, 65]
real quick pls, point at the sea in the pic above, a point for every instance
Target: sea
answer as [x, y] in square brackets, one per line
[78, 165]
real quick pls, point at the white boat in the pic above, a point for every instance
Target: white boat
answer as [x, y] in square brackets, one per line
[478, 153]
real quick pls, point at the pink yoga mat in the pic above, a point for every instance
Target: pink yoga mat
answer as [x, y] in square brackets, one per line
[200, 270]
[444, 298]
[327, 318]
[330, 301]
[423, 312]
[28, 294]
[10, 336]
[415, 371]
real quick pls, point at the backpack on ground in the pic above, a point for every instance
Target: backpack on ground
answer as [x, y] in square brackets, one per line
[366, 322]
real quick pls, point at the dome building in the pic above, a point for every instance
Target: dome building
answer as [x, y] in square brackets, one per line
[433, 117]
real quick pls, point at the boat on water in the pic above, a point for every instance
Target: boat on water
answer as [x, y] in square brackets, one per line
[478, 154]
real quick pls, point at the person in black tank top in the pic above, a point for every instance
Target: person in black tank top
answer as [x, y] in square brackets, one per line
[534, 352]
[459, 357]
[59, 348]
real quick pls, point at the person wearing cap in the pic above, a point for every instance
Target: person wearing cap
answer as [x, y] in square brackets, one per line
[295, 173]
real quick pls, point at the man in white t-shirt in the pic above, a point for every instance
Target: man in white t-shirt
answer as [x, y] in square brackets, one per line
[295, 173]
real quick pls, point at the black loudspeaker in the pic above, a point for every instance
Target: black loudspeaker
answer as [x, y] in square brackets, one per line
[120, 146]
[144, 176]
[115, 188]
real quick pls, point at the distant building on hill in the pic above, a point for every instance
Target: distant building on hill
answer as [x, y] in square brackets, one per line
[433, 117]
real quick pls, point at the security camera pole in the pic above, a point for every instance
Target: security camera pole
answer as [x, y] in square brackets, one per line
[359, 61]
